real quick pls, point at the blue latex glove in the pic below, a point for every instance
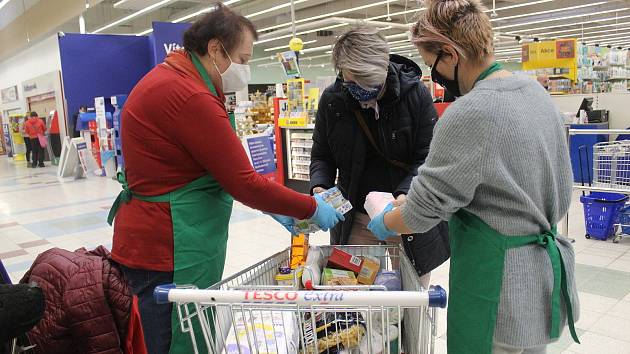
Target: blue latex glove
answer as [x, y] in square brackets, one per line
[377, 225]
[325, 216]
[286, 221]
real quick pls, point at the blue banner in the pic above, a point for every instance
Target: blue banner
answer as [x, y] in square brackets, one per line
[167, 37]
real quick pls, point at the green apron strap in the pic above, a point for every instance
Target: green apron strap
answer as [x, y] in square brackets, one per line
[489, 71]
[203, 72]
[125, 197]
[560, 290]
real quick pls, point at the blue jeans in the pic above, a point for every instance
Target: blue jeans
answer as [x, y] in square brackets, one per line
[156, 318]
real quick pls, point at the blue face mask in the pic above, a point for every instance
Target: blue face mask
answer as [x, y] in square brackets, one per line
[360, 94]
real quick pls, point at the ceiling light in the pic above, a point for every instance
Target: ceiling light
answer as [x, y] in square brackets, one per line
[120, 3]
[274, 8]
[194, 14]
[548, 11]
[520, 5]
[573, 24]
[144, 32]
[287, 46]
[300, 33]
[403, 46]
[615, 35]
[326, 15]
[189, 16]
[585, 29]
[133, 15]
[560, 18]
[3, 3]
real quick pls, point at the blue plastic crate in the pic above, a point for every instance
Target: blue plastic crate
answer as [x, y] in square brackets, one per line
[601, 212]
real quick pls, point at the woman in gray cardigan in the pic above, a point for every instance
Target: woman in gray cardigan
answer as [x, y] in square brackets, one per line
[498, 171]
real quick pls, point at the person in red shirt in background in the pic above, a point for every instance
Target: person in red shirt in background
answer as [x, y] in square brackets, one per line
[55, 139]
[180, 178]
[34, 127]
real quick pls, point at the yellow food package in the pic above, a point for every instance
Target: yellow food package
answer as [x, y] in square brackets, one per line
[369, 270]
[299, 250]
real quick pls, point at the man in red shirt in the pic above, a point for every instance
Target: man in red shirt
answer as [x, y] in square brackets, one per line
[34, 127]
[184, 166]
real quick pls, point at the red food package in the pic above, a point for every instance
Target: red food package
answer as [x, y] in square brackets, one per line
[344, 260]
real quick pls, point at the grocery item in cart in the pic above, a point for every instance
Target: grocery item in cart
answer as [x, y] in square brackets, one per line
[390, 279]
[333, 332]
[333, 197]
[369, 270]
[272, 332]
[344, 260]
[338, 277]
[377, 343]
[285, 278]
[312, 273]
[299, 250]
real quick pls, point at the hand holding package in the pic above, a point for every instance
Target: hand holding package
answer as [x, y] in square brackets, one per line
[376, 202]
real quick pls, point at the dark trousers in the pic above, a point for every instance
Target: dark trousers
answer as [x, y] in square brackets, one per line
[55, 144]
[156, 318]
[37, 152]
[27, 142]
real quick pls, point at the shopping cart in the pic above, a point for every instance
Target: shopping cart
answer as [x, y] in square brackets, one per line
[611, 165]
[247, 313]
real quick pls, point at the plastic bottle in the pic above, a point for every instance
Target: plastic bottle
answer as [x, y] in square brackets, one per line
[313, 268]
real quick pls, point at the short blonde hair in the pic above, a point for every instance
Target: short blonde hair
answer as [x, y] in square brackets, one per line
[363, 53]
[462, 24]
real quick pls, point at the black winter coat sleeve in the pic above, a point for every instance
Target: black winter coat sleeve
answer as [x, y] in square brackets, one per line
[323, 169]
[426, 117]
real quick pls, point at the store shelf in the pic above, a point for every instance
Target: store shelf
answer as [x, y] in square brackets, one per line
[300, 155]
[558, 93]
[601, 68]
[618, 78]
[301, 163]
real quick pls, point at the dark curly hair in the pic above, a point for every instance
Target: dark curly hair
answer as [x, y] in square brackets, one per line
[221, 23]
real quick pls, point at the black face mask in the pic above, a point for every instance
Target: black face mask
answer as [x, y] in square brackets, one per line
[451, 86]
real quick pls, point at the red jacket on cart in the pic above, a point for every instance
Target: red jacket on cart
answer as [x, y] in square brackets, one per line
[88, 303]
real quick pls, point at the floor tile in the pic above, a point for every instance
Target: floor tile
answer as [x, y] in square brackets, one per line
[594, 260]
[621, 264]
[622, 309]
[587, 318]
[613, 326]
[609, 283]
[10, 254]
[565, 341]
[593, 343]
[596, 303]
[33, 243]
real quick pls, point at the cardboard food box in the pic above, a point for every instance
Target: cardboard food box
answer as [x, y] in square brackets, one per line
[338, 277]
[369, 270]
[344, 260]
[299, 250]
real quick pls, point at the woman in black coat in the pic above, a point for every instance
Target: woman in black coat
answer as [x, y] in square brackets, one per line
[374, 127]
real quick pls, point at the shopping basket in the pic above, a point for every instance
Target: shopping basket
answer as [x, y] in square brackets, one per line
[601, 211]
[268, 318]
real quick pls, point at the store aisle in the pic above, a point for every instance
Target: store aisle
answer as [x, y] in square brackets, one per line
[37, 212]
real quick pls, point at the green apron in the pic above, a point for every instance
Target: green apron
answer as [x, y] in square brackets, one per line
[200, 213]
[476, 277]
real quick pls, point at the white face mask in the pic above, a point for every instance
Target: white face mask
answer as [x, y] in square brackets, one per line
[236, 77]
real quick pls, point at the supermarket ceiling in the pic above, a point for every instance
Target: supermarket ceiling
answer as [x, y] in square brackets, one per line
[318, 22]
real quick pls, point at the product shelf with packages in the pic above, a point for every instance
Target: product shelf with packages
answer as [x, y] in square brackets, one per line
[250, 313]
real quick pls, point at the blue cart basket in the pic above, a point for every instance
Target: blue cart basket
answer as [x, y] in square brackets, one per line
[601, 213]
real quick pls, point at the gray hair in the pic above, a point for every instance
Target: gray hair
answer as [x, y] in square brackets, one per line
[363, 53]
